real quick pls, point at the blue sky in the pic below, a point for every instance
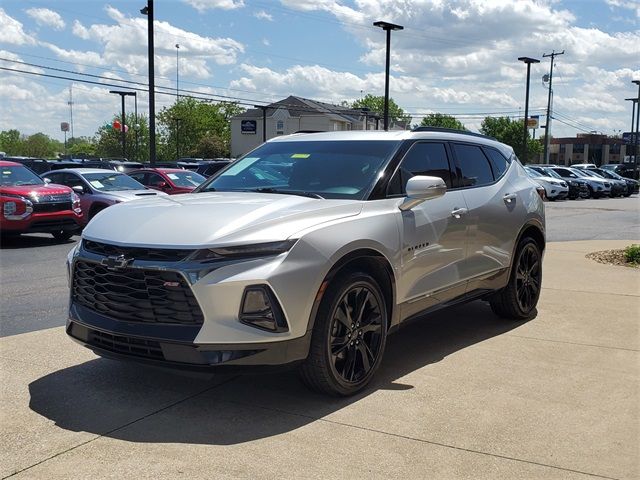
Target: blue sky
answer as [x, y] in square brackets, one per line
[456, 56]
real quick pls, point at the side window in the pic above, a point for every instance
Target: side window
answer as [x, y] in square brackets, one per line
[57, 178]
[72, 180]
[428, 159]
[476, 170]
[139, 176]
[154, 179]
[498, 162]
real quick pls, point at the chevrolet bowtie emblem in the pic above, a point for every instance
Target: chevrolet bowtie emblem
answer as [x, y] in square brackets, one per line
[115, 262]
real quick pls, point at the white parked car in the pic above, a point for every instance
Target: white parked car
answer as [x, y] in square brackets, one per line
[308, 252]
[555, 188]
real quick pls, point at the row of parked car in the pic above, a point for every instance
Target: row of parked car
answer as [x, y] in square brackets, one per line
[61, 201]
[581, 181]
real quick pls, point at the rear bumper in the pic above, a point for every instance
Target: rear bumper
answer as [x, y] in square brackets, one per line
[172, 346]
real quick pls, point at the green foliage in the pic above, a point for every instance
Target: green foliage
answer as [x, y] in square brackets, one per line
[108, 141]
[632, 254]
[510, 132]
[376, 107]
[10, 142]
[194, 128]
[81, 147]
[443, 121]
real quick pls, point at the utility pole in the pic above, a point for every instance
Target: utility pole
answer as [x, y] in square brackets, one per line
[177, 73]
[123, 133]
[547, 138]
[637, 140]
[70, 102]
[264, 121]
[148, 11]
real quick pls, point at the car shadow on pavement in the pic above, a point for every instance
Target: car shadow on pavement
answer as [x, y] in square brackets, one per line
[143, 404]
[12, 242]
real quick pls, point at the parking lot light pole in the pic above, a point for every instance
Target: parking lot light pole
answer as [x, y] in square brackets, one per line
[148, 11]
[123, 135]
[528, 61]
[387, 27]
[636, 144]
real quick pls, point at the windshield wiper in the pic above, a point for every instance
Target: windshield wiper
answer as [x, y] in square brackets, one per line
[286, 192]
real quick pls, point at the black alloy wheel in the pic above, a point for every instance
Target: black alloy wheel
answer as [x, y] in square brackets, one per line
[528, 277]
[349, 335]
[355, 334]
[518, 299]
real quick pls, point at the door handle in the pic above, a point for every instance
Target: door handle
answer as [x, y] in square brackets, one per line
[509, 197]
[458, 212]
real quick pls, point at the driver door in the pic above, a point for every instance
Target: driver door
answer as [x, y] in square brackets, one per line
[433, 233]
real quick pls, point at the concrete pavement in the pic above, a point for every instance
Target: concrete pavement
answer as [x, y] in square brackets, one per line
[460, 394]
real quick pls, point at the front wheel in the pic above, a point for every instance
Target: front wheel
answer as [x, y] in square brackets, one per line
[349, 336]
[519, 298]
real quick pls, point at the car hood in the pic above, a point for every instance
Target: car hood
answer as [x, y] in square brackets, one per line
[214, 218]
[36, 190]
[548, 179]
[596, 179]
[126, 195]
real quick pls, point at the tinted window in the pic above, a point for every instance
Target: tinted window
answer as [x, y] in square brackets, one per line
[563, 172]
[140, 177]
[475, 167]
[429, 159]
[498, 162]
[155, 179]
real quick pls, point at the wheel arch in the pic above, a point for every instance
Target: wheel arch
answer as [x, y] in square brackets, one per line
[370, 261]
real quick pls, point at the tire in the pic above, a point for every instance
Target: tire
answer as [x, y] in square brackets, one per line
[63, 235]
[519, 298]
[345, 353]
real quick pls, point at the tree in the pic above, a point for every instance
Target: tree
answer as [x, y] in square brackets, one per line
[80, 147]
[376, 107]
[191, 127]
[510, 131]
[108, 142]
[443, 121]
[10, 142]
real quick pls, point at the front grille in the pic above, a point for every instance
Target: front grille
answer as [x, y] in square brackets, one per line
[137, 253]
[51, 207]
[53, 225]
[55, 198]
[135, 295]
[128, 345]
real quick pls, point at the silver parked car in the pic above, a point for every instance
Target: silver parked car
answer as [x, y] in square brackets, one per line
[308, 251]
[555, 188]
[100, 188]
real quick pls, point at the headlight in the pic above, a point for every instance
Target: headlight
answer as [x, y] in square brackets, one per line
[245, 251]
[75, 199]
[18, 209]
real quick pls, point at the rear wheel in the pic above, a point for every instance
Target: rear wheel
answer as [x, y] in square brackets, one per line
[349, 336]
[519, 298]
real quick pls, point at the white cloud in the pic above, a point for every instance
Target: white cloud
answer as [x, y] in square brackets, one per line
[266, 42]
[626, 4]
[11, 31]
[46, 17]
[262, 15]
[80, 30]
[202, 5]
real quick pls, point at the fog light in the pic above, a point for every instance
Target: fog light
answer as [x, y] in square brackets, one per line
[9, 208]
[260, 309]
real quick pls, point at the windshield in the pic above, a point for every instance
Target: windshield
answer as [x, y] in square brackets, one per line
[327, 169]
[589, 173]
[552, 173]
[186, 179]
[531, 172]
[109, 182]
[13, 176]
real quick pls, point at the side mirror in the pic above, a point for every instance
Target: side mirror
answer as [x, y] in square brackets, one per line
[47, 180]
[79, 189]
[421, 188]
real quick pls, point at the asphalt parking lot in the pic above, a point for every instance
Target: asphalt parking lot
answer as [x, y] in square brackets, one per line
[460, 394]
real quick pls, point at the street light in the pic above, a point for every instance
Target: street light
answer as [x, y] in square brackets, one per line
[637, 140]
[387, 27]
[123, 136]
[148, 11]
[528, 61]
[177, 73]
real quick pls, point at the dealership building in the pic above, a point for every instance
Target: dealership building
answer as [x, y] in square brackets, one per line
[296, 114]
[587, 148]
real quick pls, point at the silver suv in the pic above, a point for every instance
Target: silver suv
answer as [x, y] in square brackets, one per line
[309, 251]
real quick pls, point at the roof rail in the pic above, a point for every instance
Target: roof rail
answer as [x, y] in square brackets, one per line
[451, 130]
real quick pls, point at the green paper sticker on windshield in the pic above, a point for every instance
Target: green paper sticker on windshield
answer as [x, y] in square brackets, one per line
[301, 155]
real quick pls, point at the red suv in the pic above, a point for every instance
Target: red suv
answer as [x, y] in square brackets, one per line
[169, 180]
[29, 205]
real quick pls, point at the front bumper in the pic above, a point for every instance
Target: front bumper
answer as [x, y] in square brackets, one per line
[44, 223]
[173, 345]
